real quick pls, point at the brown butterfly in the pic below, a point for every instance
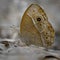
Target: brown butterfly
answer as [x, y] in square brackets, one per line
[35, 28]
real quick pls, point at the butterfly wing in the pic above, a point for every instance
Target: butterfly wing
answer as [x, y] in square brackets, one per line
[31, 30]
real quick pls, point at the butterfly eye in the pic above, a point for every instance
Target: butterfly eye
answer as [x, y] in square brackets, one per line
[38, 19]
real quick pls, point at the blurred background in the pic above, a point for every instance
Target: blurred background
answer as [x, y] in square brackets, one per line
[11, 12]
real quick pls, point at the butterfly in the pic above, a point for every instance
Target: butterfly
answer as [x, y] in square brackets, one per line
[35, 29]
